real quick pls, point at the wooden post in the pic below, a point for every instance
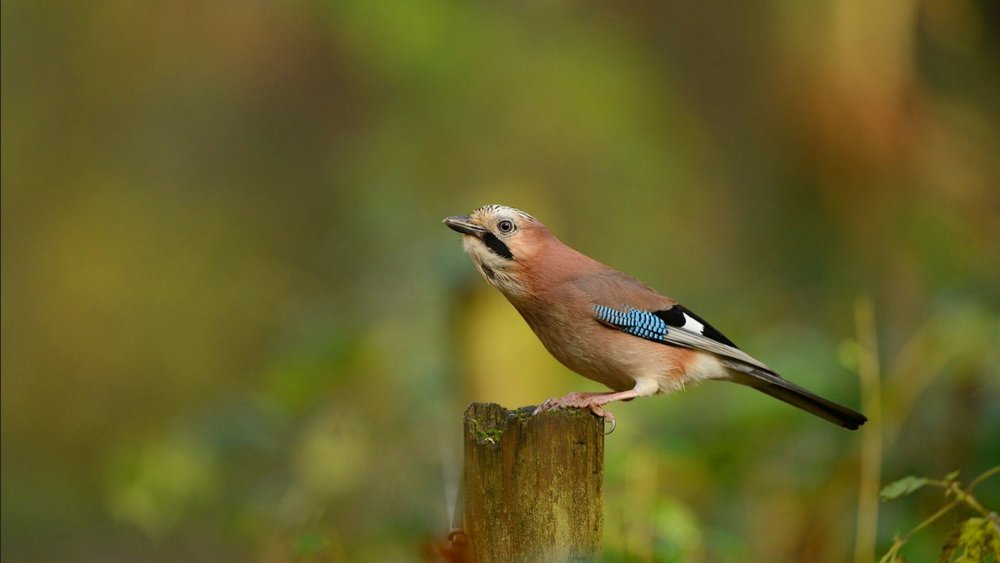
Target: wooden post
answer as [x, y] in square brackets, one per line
[534, 485]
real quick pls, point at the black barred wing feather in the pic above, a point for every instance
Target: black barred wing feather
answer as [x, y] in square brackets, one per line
[633, 321]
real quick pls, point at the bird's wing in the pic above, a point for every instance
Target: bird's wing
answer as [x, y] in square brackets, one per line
[622, 302]
[625, 304]
[654, 326]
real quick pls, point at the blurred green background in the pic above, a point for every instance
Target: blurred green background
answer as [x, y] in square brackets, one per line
[234, 329]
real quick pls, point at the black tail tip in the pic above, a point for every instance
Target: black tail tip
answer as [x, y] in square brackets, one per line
[854, 422]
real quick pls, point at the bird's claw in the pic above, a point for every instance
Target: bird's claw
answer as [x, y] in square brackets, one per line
[549, 404]
[610, 419]
[606, 415]
[580, 402]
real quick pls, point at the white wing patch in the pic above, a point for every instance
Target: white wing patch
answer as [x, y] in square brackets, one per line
[692, 325]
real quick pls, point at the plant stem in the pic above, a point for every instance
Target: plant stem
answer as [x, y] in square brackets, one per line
[962, 496]
[982, 477]
[871, 439]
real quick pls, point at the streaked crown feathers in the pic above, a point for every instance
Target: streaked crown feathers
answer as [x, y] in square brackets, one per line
[496, 210]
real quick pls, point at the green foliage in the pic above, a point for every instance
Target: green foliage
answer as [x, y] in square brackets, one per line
[909, 484]
[973, 541]
[904, 486]
[234, 329]
[976, 539]
[310, 546]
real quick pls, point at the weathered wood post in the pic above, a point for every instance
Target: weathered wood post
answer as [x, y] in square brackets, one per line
[534, 485]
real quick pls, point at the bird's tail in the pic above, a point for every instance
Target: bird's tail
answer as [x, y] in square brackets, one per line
[792, 394]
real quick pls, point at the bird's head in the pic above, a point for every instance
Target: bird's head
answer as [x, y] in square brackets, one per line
[502, 242]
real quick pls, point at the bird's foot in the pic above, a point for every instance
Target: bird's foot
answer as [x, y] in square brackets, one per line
[581, 400]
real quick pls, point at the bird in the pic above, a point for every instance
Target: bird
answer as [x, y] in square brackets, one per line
[610, 327]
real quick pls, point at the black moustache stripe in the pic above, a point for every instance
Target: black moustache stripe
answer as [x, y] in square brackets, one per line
[497, 246]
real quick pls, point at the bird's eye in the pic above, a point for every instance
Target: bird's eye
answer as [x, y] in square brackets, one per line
[505, 226]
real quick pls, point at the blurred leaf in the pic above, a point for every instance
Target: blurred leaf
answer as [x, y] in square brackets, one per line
[902, 487]
[677, 532]
[847, 354]
[310, 543]
[156, 486]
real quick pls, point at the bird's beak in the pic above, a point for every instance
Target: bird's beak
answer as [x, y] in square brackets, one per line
[463, 224]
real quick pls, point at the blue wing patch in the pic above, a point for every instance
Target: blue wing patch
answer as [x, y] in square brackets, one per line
[633, 321]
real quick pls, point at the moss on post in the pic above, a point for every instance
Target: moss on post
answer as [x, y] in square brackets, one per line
[534, 485]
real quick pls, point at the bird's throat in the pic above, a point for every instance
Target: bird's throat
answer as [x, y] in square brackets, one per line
[488, 273]
[504, 280]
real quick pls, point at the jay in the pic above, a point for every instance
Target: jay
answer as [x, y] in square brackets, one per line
[610, 327]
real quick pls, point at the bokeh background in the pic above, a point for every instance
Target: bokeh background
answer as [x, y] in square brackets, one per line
[234, 329]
